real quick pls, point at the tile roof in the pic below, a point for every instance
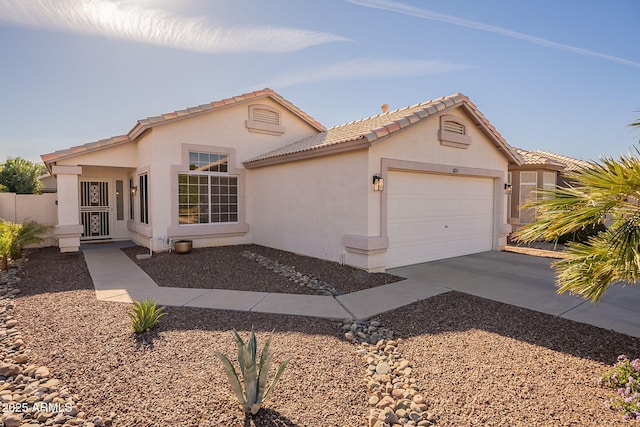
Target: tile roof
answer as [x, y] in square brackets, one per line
[570, 163]
[147, 123]
[379, 126]
[546, 158]
[531, 158]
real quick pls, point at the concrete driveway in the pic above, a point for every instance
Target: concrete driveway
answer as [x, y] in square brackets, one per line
[528, 281]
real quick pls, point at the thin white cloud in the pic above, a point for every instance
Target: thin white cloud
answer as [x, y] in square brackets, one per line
[114, 19]
[434, 16]
[363, 68]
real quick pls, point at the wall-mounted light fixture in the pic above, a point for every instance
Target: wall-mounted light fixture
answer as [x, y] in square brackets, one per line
[378, 183]
[134, 190]
[507, 188]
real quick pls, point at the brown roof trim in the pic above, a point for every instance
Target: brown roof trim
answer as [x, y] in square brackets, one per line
[144, 125]
[356, 144]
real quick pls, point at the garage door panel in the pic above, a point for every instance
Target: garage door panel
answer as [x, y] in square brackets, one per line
[437, 216]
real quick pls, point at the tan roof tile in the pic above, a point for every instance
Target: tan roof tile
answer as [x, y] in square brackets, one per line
[570, 163]
[381, 125]
[149, 122]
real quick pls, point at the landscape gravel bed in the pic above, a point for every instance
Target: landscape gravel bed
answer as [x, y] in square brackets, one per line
[484, 363]
[227, 268]
[171, 376]
[474, 361]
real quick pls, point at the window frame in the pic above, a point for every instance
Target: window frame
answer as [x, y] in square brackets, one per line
[212, 229]
[210, 207]
[143, 198]
[531, 216]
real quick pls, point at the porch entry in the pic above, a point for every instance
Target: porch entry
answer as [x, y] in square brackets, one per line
[95, 210]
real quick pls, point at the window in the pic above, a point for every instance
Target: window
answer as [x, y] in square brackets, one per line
[548, 180]
[131, 200]
[510, 181]
[208, 194]
[119, 200]
[264, 119]
[208, 162]
[453, 133]
[144, 199]
[528, 186]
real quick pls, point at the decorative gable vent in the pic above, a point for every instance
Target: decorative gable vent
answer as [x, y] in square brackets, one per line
[452, 133]
[266, 116]
[264, 119]
[455, 127]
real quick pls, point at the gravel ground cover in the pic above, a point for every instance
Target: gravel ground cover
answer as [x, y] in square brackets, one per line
[226, 268]
[475, 361]
[484, 363]
[171, 376]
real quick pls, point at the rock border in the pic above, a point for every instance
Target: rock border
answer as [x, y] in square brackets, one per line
[394, 399]
[30, 395]
[300, 279]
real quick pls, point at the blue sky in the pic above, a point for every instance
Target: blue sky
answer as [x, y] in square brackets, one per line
[562, 76]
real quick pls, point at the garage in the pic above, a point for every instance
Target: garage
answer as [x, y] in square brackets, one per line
[431, 216]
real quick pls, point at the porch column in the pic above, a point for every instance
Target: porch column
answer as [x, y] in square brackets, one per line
[69, 228]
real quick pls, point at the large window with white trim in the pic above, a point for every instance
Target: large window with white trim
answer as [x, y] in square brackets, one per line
[208, 193]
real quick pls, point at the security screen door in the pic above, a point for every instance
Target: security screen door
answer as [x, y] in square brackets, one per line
[95, 209]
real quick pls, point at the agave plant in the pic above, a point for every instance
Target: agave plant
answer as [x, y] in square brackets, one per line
[145, 315]
[254, 375]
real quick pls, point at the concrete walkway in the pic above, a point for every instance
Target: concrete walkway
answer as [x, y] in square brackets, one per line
[516, 279]
[117, 278]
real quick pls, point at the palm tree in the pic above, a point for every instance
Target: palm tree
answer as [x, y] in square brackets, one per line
[607, 192]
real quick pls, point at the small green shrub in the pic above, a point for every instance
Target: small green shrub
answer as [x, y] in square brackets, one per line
[254, 375]
[625, 378]
[14, 237]
[145, 315]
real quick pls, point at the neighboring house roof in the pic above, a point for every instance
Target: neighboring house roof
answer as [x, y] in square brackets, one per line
[143, 125]
[570, 163]
[362, 133]
[531, 158]
[550, 160]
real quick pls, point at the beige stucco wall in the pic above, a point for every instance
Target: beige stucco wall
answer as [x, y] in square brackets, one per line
[420, 143]
[162, 154]
[326, 207]
[124, 155]
[308, 206]
[37, 207]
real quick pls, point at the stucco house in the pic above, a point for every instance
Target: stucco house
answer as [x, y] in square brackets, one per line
[416, 184]
[537, 169]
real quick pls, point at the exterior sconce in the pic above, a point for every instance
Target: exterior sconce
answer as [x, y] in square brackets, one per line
[378, 183]
[507, 188]
[134, 190]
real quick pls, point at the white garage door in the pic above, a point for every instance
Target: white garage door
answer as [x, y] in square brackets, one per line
[431, 217]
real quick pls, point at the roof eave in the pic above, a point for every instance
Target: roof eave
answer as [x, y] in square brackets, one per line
[51, 158]
[493, 134]
[355, 144]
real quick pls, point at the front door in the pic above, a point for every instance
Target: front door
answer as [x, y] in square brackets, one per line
[95, 209]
